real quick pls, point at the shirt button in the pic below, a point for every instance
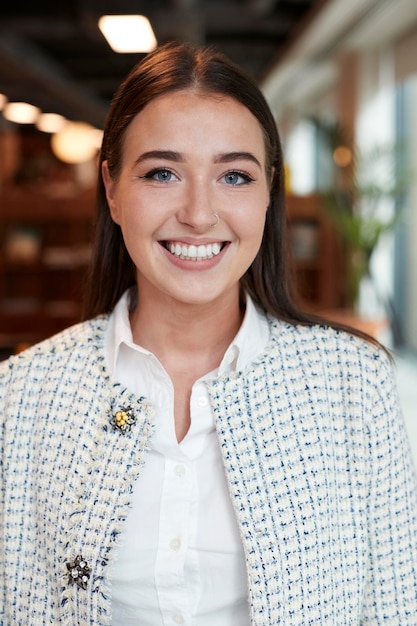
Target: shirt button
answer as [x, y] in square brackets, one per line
[178, 618]
[180, 470]
[202, 401]
[175, 544]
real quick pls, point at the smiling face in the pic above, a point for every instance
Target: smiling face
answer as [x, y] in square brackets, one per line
[191, 197]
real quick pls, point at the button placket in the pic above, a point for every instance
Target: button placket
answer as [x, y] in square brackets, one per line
[173, 538]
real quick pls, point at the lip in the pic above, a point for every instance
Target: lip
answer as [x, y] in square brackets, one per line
[193, 241]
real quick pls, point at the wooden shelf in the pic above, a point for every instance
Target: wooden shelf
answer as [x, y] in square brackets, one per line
[45, 243]
[317, 254]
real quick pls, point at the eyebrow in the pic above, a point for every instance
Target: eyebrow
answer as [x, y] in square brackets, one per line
[228, 157]
[166, 155]
[177, 157]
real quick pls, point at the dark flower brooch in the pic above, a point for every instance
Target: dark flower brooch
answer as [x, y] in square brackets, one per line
[78, 572]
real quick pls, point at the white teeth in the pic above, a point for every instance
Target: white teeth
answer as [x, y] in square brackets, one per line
[194, 253]
[202, 252]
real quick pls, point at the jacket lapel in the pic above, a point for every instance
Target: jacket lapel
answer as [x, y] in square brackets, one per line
[108, 463]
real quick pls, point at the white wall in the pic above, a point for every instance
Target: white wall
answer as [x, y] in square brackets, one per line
[411, 328]
[375, 126]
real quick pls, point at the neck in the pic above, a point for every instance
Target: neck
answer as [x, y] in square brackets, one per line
[176, 331]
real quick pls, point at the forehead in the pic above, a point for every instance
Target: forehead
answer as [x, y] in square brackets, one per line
[184, 116]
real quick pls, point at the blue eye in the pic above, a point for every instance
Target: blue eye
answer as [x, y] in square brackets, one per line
[237, 178]
[160, 174]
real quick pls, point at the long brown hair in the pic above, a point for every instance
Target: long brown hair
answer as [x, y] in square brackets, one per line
[173, 67]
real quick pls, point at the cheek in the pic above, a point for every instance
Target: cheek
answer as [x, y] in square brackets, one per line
[250, 230]
[256, 214]
[258, 233]
[128, 211]
[259, 224]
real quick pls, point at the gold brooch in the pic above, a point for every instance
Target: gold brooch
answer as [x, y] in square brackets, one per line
[123, 420]
[78, 572]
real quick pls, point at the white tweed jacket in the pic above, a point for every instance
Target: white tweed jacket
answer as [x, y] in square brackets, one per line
[315, 453]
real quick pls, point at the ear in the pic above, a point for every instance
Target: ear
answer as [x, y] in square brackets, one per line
[110, 187]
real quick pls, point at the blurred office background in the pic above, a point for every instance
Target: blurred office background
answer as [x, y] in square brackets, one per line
[341, 80]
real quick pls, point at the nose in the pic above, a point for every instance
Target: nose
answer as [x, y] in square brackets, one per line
[197, 207]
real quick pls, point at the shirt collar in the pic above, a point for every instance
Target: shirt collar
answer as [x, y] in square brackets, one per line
[249, 341]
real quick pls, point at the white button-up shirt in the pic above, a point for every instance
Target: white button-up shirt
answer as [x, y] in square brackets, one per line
[180, 560]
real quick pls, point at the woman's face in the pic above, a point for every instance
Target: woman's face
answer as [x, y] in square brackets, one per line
[187, 158]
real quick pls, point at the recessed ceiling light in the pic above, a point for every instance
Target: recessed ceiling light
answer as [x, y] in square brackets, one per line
[128, 33]
[50, 122]
[76, 142]
[21, 112]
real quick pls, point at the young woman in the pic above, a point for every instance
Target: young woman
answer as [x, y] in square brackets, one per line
[198, 451]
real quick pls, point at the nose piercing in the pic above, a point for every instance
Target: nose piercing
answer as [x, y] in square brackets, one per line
[216, 222]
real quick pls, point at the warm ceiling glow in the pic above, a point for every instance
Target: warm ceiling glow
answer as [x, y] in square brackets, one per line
[96, 138]
[77, 142]
[50, 122]
[21, 112]
[3, 101]
[128, 33]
